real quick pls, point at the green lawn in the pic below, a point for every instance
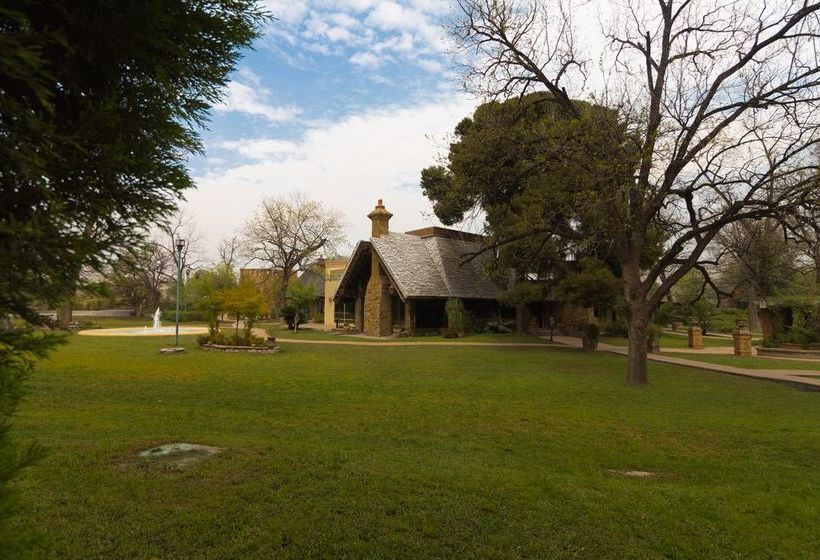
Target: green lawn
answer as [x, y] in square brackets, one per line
[670, 340]
[315, 334]
[415, 452]
[750, 362]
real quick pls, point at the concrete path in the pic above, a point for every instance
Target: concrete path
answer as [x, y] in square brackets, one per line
[805, 378]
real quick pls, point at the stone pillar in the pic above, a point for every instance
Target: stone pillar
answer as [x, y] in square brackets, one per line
[358, 306]
[409, 318]
[695, 334]
[742, 338]
[377, 312]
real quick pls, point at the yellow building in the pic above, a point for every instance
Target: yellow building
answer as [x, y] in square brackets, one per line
[341, 312]
[324, 275]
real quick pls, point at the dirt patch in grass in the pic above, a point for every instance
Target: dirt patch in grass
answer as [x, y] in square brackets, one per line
[636, 474]
[172, 456]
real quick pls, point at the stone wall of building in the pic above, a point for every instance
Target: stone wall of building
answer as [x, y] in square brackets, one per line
[377, 312]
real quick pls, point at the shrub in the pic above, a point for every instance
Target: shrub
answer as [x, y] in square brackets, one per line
[619, 327]
[319, 318]
[591, 334]
[185, 315]
[215, 338]
[457, 319]
[800, 335]
[222, 339]
[290, 317]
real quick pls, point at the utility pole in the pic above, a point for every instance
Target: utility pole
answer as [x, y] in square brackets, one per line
[180, 264]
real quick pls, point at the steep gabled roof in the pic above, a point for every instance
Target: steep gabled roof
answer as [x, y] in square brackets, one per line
[427, 267]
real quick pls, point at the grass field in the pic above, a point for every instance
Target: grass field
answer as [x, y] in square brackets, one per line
[670, 340]
[750, 362]
[415, 452]
[315, 334]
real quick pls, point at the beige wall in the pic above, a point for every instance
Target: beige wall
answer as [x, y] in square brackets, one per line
[333, 274]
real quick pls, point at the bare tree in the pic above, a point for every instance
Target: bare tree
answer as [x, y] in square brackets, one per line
[803, 225]
[286, 233]
[757, 259]
[228, 250]
[181, 226]
[137, 278]
[720, 99]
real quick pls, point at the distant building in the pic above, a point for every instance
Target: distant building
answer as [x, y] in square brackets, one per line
[269, 283]
[324, 275]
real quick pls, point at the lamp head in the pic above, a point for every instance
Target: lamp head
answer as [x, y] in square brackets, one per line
[180, 244]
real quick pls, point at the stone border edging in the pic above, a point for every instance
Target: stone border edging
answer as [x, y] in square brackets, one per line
[246, 349]
[787, 353]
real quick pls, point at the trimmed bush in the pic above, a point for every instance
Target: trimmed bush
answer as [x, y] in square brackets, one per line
[457, 318]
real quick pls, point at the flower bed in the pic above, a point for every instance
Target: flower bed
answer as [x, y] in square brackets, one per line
[252, 349]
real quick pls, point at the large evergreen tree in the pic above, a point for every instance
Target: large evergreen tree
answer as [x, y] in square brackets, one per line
[100, 105]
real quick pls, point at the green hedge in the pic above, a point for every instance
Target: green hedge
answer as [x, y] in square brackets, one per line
[185, 316]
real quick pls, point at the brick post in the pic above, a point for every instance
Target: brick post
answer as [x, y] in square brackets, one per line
[742, 338]
[695, 334]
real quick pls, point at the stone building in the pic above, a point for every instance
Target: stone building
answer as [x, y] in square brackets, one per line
[401, 281]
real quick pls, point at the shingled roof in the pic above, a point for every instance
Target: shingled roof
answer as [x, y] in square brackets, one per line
[431, 266]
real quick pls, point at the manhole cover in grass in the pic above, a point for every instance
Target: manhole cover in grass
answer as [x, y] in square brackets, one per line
[177, 455]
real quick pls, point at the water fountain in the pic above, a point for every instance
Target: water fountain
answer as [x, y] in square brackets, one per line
[155, 330]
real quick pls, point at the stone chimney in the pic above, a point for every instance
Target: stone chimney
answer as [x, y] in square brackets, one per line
[381, 220]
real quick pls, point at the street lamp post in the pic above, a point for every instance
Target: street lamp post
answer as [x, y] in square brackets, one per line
[180, 264]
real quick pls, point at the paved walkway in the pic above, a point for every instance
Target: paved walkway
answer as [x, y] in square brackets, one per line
[805, 378]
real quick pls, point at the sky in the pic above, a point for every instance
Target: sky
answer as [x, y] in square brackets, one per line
[345, 100]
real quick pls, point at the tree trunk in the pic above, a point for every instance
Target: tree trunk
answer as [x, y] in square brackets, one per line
[638, 336]
[65, 313]
[816, 258]
[521, 318]
[283, 297]
[751, 307]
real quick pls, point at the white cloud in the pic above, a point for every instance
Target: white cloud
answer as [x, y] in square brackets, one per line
[347, 164]
[366, 60]
[287, 11]
[405, 29]
[264, 149]
[252, 100]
